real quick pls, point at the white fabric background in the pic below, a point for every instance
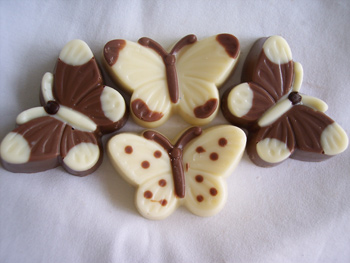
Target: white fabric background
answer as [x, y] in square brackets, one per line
[295, 212]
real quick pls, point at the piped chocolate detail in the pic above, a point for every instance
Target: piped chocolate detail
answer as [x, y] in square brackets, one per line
[112, 49]
[142, 112]
[169, 60]
[51, 107]
[206, 110]
[230, 43]
[175, 153]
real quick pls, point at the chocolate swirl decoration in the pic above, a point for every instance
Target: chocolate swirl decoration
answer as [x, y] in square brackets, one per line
[175, 154]
[169, 61]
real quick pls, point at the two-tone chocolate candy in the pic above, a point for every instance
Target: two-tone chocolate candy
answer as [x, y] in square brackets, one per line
[76, 110]
[282, 122]
[184, 80]
[189, 172]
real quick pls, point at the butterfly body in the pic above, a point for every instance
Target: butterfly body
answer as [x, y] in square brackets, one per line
[190, 172]
[77, 109]
[183, 81]
[282, 122]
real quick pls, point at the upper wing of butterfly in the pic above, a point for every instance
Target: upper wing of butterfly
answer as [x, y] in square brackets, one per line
[77, 84]
[145, 164]
[141, 71]
[207, 161]
[201, 68]
[268, 75]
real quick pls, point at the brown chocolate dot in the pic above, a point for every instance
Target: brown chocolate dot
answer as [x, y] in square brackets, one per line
[222, 142]
[128, 149]
[162, 182]
[214, 156]
[148, 194]
[199, 178]
[200, 149]
[213, 191]
[163, 202]
[200, 198]
[187, 166]
[157, 154]
[145, 164]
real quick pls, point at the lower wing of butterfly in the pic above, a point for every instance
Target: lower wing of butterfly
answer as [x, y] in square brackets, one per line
[301, 133]
[208, 160]
[146, 165]
[46, 142]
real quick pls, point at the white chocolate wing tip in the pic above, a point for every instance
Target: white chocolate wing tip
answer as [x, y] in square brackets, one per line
[272, 150]
[82, 157]
[277, 50]
[113, 104]
[76, 53]
[240, 100]
[334, 140]
[15, 149]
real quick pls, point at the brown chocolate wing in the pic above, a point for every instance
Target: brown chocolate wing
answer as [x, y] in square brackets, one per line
[73, 84]
[301, 133]
[245, 104]
[80, 88]
[81, 152]
[33, 146]
[276, 77]
[46, 142]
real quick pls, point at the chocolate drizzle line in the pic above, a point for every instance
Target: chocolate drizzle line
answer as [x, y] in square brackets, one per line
[175, 154]
[111, 50]
[230, 43]
[169, 60]
[142, 112]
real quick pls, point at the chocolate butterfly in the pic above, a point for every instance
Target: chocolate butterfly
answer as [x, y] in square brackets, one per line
[281, 122]
[185, 80]
[77, 110]
[189, 173]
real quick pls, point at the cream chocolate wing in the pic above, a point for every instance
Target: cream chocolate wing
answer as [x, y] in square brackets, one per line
[201, 68]
[141, 71]
[146, 165]
[208, 159]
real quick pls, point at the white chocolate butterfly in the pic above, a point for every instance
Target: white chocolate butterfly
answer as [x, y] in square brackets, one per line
[183, 81]
[191, 172]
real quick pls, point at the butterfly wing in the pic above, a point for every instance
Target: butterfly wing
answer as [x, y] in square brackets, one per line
[140, 71]
[33, 146]
[208, 160]
[45, 142]
[77, 83]
[268, 75]
[245, 104]
[301, 133]
[269, 64]
[145, 164]
[201, 68]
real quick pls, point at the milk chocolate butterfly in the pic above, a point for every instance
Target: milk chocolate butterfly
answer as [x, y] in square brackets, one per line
[77, 110]
[191, 172]
[281, 122]
[185, 80]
